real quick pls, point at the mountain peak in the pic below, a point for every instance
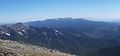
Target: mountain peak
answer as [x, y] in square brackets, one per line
[20, 26]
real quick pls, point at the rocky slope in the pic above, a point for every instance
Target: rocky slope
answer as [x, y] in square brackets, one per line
[12, 48]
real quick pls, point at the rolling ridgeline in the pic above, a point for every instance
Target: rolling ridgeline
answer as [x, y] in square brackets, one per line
[75, 36]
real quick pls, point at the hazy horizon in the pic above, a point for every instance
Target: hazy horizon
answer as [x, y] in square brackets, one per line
[33, 10]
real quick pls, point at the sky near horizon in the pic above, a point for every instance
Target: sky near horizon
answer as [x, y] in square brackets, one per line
[32, 10]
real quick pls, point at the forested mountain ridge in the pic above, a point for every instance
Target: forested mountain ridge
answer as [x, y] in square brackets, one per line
[68, 35]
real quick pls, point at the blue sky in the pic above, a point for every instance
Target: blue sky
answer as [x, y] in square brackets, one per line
[30, 10]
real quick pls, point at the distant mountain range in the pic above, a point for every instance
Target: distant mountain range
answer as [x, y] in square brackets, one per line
[75, 36]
